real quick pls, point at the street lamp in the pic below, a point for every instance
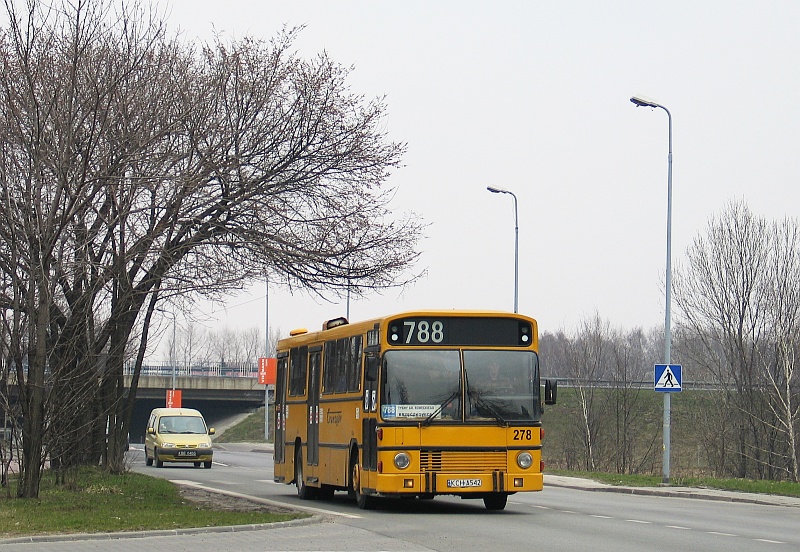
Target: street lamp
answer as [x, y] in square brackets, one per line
[516, 241]
[641, 101]
[172, 350]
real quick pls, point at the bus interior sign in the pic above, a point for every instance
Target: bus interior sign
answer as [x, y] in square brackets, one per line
[460, 331]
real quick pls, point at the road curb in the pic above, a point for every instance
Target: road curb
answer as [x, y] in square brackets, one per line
[682, 492]
[314, 519]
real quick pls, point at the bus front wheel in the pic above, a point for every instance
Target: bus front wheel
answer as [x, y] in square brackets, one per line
[364, 502]
[496, 501]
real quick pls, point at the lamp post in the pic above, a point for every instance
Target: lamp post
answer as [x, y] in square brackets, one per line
[266, 354]
[641, 101]
[516, 241]
[173, 354]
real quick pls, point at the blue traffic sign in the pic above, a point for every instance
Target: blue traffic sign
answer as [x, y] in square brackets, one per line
[667, 378]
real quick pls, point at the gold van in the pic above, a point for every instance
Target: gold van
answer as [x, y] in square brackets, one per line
[177, 435]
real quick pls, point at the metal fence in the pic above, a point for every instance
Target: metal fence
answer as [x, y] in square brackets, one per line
[210, 369]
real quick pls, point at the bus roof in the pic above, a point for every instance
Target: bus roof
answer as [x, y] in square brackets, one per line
[342, 327]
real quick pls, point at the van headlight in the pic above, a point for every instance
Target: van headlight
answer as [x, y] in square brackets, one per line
[204, 445]
[402, 460]
[168, 445]
[524, 460]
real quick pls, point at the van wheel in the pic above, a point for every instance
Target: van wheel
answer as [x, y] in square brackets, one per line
[159, 463]
[303, 491]
[207, 465]
[147, 460]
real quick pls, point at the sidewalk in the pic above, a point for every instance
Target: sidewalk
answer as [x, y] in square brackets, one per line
[674, 492]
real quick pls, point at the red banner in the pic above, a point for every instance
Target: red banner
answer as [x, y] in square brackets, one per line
[267, 370]
[173, 398]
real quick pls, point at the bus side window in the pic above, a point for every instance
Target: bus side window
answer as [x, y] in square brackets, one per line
[341, 365]
[298, 364]
[354, 363]
[329, 368]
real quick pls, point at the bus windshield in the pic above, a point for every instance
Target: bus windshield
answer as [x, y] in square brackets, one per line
[434, 385]
[502, 384]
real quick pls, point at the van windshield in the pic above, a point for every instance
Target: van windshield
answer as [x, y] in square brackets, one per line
[182, 424]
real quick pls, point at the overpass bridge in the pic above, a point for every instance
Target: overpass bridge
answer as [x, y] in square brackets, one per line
[218, 391]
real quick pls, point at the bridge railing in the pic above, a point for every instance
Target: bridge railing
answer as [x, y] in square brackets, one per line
[211, 369]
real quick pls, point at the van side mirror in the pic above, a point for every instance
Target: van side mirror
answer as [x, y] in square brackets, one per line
[151, 431]
[211, 431]
[550, 392]
[372, 369]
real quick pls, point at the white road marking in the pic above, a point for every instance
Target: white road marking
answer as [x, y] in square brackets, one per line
[265, 500]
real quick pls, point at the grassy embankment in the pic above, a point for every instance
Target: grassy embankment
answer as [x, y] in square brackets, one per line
[688, 464]
[96, 502]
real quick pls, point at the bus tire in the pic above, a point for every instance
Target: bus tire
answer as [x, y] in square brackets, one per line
[325, 492]
[351, 491]
[495, 501]
[364, 502]
[303, 491]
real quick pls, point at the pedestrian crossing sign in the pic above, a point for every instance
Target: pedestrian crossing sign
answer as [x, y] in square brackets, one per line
[668, 378]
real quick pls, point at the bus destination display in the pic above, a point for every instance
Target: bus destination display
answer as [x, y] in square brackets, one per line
[461, 331]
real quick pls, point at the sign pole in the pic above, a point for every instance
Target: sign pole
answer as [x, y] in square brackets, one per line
[266, 353]
[267, 372]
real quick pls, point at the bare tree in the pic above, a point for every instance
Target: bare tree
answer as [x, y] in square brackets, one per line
[585, 357]
[137, 169]
[275, 335]
[723, 298]
[780, 364]
[628, 367]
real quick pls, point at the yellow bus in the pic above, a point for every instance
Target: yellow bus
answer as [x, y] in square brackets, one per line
[416, 404]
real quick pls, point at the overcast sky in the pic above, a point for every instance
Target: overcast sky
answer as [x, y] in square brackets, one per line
[533, 96]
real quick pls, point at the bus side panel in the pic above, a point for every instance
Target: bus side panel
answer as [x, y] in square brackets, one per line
[295, 435]
[339, 427]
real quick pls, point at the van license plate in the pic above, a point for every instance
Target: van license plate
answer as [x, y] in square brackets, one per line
[187, 453]
[463, 483]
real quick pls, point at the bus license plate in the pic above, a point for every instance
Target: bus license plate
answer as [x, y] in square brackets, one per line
[189, 453]
[463, 483]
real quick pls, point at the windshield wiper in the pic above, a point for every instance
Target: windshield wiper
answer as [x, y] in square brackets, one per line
[487, 405]
[438, 410]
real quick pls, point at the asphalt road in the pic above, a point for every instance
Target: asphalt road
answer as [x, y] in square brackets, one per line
[567, 515]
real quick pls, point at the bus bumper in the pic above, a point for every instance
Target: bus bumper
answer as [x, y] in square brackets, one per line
[458, 483]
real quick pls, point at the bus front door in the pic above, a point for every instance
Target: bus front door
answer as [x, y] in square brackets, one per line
[280, 401]
[313, 414]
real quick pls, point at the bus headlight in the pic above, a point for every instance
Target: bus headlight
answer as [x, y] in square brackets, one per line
[402, 460]
[524, 460]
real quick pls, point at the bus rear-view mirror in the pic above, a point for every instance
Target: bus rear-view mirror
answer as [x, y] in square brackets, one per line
[550, 392]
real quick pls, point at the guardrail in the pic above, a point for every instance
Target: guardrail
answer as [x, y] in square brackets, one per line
[649, 384]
